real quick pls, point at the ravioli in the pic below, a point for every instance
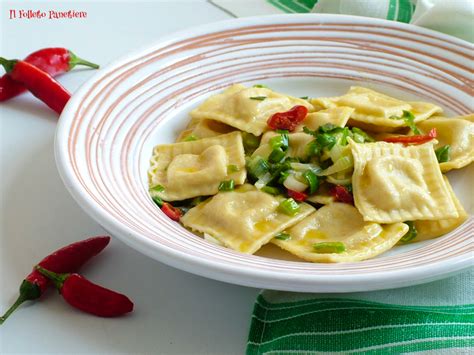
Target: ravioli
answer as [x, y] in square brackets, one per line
[337, 116]
[205, 128]
[340, 222]
[433, 229]
[458, 132]
[392, 183]
[373, 110]
[247, 109]
[196, 168]
[243, 219]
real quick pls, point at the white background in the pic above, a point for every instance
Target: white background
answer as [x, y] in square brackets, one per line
[175, 312]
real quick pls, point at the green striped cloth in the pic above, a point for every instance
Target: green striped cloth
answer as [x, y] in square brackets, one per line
[434, 14]
[437, 318]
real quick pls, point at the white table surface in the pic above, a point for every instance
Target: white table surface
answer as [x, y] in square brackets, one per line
[175, 312]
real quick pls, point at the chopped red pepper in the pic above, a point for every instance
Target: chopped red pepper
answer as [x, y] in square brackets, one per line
[288, 120]
[342, 194]
[172, 212]
[297, 196]
[418, 139]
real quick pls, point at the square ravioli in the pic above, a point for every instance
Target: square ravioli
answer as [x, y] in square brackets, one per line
[393, 183]
[340, 223]
[458, 133]
[196, 168]
[375, 111]
[337, 116]
[243, 219]
[433, 229]
[247, 109]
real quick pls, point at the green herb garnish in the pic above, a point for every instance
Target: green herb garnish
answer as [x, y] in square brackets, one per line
[442, 153]
[276, 155]
[157, 200]
[409, 119]
[289, 207]
[304, 97]
[270, 190]
[280, 141]
[362, 137]
[258, 98]
[283, 236]
[257, 166]
[329, 247]
[260, 86]
[226, 185]
[312, 181]
[191, 138]
[411, 234]
[157, 188]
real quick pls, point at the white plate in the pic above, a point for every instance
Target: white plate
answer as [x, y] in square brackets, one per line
[106, 134]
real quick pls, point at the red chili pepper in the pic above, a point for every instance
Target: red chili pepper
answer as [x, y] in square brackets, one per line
[288, 120]
[172, 212]
[53, 61]
[297, 196]
[40, 83]
[418, 139]
[341, 194]
[87, 296]
[67, 259]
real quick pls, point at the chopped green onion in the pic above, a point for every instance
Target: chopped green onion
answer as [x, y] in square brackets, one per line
[312, 180]
[157, 200]
[304, 97]
[283, 176]
[289, 207]
[271, 190]
[411, 234]
[283, 236]
[258, 98]
[364, 137]
[226, 185]
[310, 132]
[263, 181]
[342, 164]
[261, 86]
[232, 169]
[329, 247]
[191, 138]
[409, 119]
[279, 141]
[313, 148]
[328, 127]
[326, 140]
[292, 183]
[157, 188]
[276, 155]
[442, 153]
[258, 166]
[250, 142]
[154, 191]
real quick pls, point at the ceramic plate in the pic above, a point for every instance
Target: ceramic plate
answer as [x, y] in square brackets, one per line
[105, 135]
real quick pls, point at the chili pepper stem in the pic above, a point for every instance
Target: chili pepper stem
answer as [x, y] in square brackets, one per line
[28, 292]
[75, 60]
[7, 64]
[57, 279]
[13, 308]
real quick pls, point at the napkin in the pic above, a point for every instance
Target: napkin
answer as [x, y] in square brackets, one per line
[453, 17]
[435, 318]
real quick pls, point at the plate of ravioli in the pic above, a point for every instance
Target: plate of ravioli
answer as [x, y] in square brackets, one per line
[306, 153]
